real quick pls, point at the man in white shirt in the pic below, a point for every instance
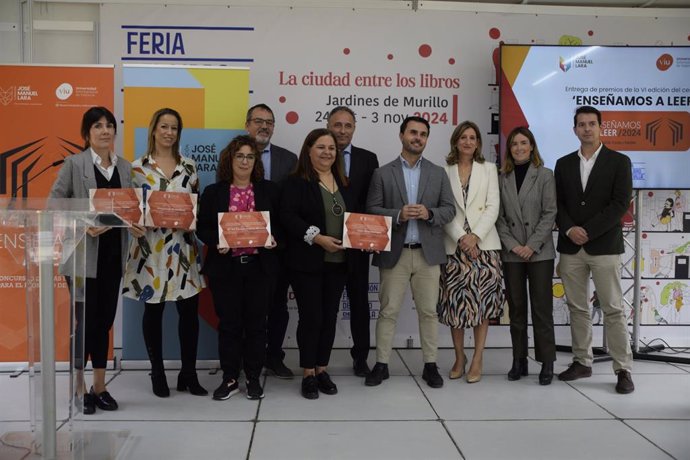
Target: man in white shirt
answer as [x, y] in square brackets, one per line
[594, 187]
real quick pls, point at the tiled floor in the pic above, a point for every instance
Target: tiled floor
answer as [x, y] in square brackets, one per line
[401, 419]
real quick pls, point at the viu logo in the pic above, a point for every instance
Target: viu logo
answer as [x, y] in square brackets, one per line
[664, 62]
[64, 91]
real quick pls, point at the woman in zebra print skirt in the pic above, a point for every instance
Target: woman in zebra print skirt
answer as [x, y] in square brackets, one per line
[471, 283]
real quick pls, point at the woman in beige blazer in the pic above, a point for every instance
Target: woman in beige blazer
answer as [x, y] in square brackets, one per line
[472, 280]
[525, 224]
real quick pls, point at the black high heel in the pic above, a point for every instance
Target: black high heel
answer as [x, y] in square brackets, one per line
[546, 374]
[190, 382]
[519, 369]
[160, 384]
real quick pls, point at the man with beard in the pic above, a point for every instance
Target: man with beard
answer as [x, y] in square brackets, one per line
[416, 194]
[359, 166]
[278, 163]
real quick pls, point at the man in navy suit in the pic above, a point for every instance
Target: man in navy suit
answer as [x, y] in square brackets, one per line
[359, 166]
[278, 163]
[593, 188]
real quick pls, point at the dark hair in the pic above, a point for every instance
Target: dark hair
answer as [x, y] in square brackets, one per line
[424, 121]
[305, 169]
[259, 106]
[91, 117]
[454, 156]
[342, 108]
[586, 109]
[151, 147]
[534, 156]
[224, 172]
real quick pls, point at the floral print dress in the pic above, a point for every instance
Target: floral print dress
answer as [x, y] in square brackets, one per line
[163, 265]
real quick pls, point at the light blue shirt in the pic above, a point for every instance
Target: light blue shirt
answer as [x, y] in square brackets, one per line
[266, 160]
[411, 175]
[346, 156]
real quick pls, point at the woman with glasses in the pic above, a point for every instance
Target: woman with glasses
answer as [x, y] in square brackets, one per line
[313, 207]
[164, 264]
[238, 277]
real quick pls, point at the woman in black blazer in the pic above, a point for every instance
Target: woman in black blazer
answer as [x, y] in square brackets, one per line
[313, 207]
[238, 277]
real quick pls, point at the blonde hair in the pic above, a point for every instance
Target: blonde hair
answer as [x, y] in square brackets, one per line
[454, 156]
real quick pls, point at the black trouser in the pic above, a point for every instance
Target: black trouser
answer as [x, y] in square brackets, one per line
[318, 298]
[241, 300]
[540, 276]
[187, 330]
[98, 309]
[357, 285]
[278, 316]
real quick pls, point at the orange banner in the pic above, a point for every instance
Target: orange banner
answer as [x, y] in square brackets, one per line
[40, 113]
[646, 131]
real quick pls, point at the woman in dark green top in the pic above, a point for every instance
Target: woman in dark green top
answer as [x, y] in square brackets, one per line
[313, 207]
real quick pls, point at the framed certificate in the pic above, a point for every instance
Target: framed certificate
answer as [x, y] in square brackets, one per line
[367, 231]
[171, 210]
[244, 229]
[127, 203]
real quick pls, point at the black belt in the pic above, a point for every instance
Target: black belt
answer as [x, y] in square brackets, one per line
[413, 246]
[246, 259]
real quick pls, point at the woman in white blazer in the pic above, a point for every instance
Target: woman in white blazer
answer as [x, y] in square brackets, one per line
[525, 225]
[471, 282]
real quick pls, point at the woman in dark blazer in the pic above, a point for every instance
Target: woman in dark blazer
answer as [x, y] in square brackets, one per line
[313, 205]
[97, 167]
[238, 277]
[525, 225]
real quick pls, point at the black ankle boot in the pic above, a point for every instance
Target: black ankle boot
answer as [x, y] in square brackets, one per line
[159, 384]
[546, 374]
[519, 369]
[189, 381]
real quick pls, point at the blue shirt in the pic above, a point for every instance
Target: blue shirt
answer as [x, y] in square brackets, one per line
[411, 175]
[266, 160]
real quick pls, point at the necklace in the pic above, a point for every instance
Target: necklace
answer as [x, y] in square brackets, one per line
[336, 208]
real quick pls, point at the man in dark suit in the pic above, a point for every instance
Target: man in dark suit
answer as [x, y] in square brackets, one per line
[359, 166]
[417, 195]
[593, 188]
[278, 163]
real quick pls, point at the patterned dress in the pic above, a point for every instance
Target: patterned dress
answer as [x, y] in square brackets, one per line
[471, 290]
[164, 264]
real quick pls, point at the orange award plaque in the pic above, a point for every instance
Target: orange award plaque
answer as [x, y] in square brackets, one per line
[244, 229]
[171, 210]
[367, 231]
[127, 203]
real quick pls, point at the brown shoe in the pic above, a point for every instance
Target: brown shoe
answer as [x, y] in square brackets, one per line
[574, 372]
[625, 384]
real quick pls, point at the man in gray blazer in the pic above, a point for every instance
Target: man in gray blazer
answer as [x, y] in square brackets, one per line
[416, 194]
[278, 163]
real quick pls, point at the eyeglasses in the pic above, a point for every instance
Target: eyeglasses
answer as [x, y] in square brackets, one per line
[241, 157]
[261, 121]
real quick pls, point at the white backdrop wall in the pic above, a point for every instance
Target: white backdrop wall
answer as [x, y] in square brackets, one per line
[378, 48]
